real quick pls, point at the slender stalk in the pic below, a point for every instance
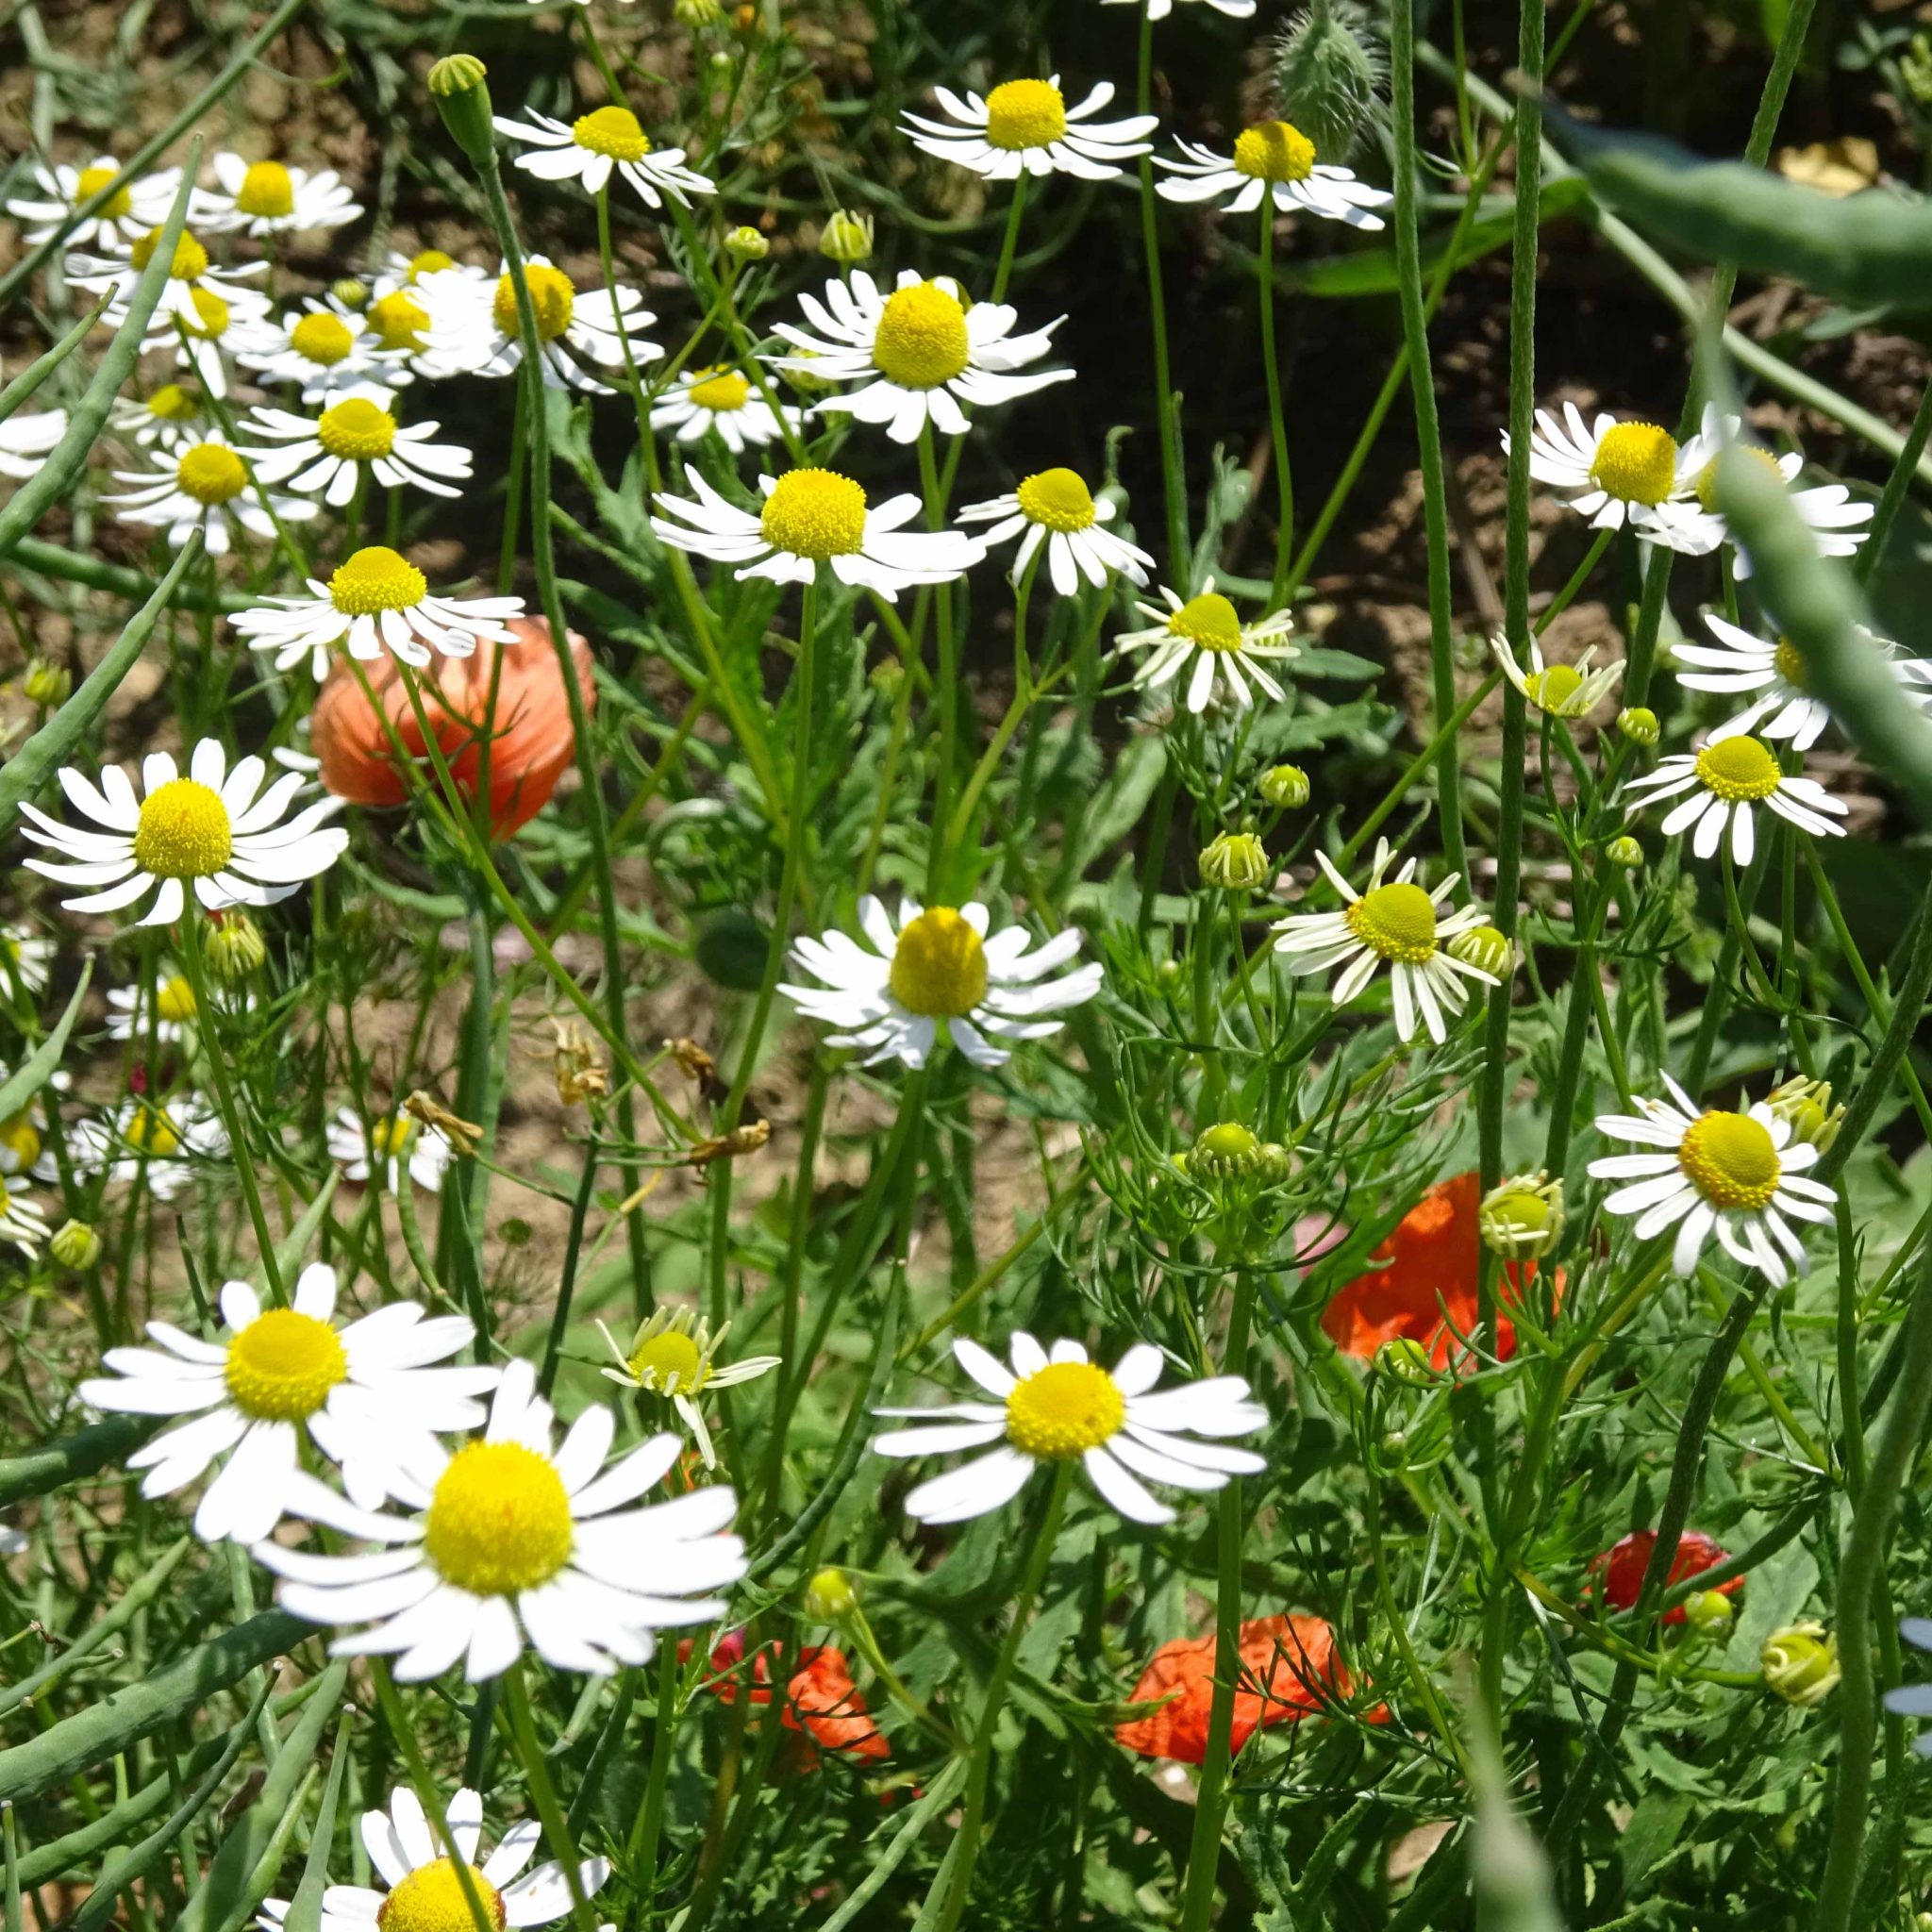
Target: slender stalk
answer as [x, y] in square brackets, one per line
[1278, 428]
[529, 1752]
[1897, 486]
[1172, 484]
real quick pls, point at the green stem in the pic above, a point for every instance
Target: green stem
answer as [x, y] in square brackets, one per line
[1897, 486]
[543, 1793]
[1011, 240]
[1278, 428]
[1174, 488]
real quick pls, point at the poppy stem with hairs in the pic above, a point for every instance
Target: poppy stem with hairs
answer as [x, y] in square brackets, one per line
[956, 1875]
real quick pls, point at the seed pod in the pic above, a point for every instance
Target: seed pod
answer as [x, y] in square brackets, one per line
[461, 94]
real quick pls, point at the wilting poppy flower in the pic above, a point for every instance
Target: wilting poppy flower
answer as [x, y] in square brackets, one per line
[1620, 1567]
[529, 747]
[1289, 1668]
[1432, 1257]
[821, 1701]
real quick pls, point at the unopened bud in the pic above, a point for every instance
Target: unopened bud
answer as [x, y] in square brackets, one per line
[1227, 1152]
[803, 380]
[1274, 1163]
[1805, 1106]
[1523, 1217]
[830, 1596]
[236, 947]
[46, 684]
[847, 238]
[1625, 851]
[1485, 949]
[350, 292]
[1286, 787]
[1801, 1663]
[1709, 1612]
[746, 244]
[1406, 1360]
[462, 93]
[697, 13]
[1638, 723]
[1237, 863]
[74, 1245]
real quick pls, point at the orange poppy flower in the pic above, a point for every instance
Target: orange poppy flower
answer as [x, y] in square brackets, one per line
[1289, 1668]
[821, 1701]
[1620, 1567]
[530, 746]
[1432, 1257]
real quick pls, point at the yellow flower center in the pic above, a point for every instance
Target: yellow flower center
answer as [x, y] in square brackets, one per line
[266, 192]
[499, 1520]
[190, 258]
[430, 262]
[391, 1137]
[210, 472]
[184, 831]
[1553, 687]
[1026, 113]
[1735, 768]
[20, 1143]
[1064, 1409]
[320, 336]
[171, 402]
[1635, 462]
[551, 295]
[151, 1131]
[611, 131]
[1788, 662]
[921, 338]
[1522, 1210]
[399, 322]
[668, 1362]
[175, 1001]
[210, 315]
[938, 966]
[1058, 498]
[1274, 151]
[356, 429]
[1397, 921]
[815, 513]
[1707, 478]
[431, 1899]
[282, 1366]
[719, 389]
[92, 181]
[1209, 622]
[1730, 1161]
[373, 580]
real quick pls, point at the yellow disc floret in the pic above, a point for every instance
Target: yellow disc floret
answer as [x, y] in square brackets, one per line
[391, 1137]
[358, 430]
[1788, 662]
[669, 1361]
[551, 295]
[399, 322]
[20, 1143]
[266, 192]
[1058, 498]
[1397, 921]
[431, 1899]
[1635, 462]
[938, 966]
[281, 1367]
[1553, 688]
[719, 389]
[90, 183]
[211, 316]
[1730, 1160]
[184, 831]
[611, 131]
[499, 1520]
[376, 578]
[1210, 622]
[1026, 113]
[1274, 151]
[320, 336]
[815, 513]
[1739, 768]
[920, 341]
[430, 262]
[1707, 478]
[171, 402]
[210, 472]
[152, 1131]
[190, 258]
[1063, 1410]
[175, 1002]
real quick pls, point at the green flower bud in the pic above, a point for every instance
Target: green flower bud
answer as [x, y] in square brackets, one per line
[1227, 1152]
[1272, 1163]
[350, 292]
[830, 1596]
[803, 380]
[847, 238]
[697, 13]
[1237, 863]
[461, 94]
[1709, 1612]
[1521, 1217]
[1406, 1360]
[1485, 949]
[1286, 787]
[236, 947]
[1806, 1105]
[1801, 1663]
[1638, 723]
[1625, 851]
[887, 675]
[74, 1245]
[1329, 73]
[746, 244]
[46, 684]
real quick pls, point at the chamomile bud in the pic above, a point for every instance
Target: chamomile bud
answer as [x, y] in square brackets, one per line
[350, 292]
[461, 94]
[1286, 787]
[46, 683]
[1624, 852]
[1406, 1360]
[1521, 1217]
[1710, 1613]
[697, 13]
[236, 947]
[74, 1245]
[1805, 1105]
[846, 238]
[1801, 1663]
[1638, 723]
[1485, 949]
[746, 244]
[1237, 863]
[1272, 1163]
[830, 1596]
[1226, 1152]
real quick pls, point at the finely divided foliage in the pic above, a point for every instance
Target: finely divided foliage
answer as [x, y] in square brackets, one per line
[894, 1038]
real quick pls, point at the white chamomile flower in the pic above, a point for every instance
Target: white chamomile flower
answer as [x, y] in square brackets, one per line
[1827, 509]
[1739, 1175]
[1026, 126]
[1273, 158]
[1160, 9]
[1397, 923]
[1056, 508]
[721, 399]
[12, 1541]
[267, 198]
[26, 958]
[127, 214]
[22, 1223]
[167, 1142]
[203, 486]
[26, 437]
[364, 1395]
[216, 829]
[189, 275]
[399, 327]
[354, 440]
[375, 600]
[1560, 691]
[515, 1539]
[476, 330]
[917, 353]
[324, 347]
[938, 964]
[1205, 631]
[605, 140]
[401, 271]
[811, 517]
[395, 1141]
[170, 418]
[175, 1012]
[1908, 1700]
[1732, 772]
[1616, 474]
[673, 1355]
[1054, 1405]
[423, 1891]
